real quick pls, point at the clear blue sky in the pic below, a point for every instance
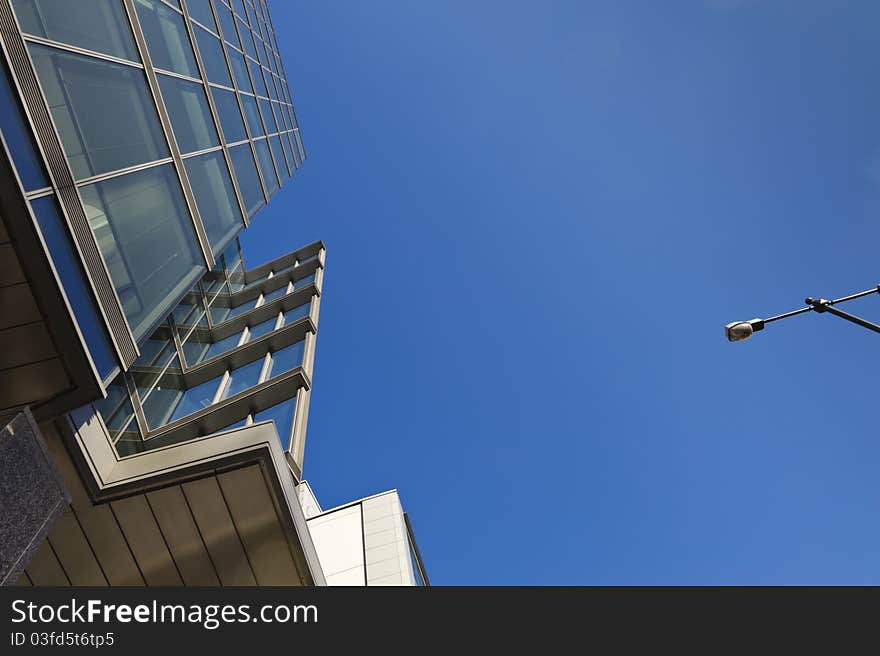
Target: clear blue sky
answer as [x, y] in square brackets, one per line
[539, 216]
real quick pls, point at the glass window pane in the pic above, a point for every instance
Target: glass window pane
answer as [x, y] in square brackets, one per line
[259, 83]
[227, 25]
[190, 115]
[215, 198]
[232, 257]
[247, 40]
[290, 357]
[230, 116]
[302, 282]
[218, 313]
[285, 143]
[240, 309]
[253, 115]
[192, 400]
[268, 116]
[239, 68]
[246, 174]
[116, 408]
[297, 313]
[96, 25]
[194, 351]
[267, 326]
[79, 90]
[223, 345]
[212, 57]
[243, 378]
[278, 154]
[146, 238]
[76, 287]
[167, 39]
[282, 415]
[19, 138]
[266, 167]
[275, 293]
[200, 10]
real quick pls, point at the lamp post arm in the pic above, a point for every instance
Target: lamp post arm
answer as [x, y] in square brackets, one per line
[825, 306]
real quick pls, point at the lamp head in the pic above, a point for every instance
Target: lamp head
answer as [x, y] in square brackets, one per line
[738, 331]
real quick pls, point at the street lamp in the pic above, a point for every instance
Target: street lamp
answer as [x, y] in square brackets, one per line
[737, 331]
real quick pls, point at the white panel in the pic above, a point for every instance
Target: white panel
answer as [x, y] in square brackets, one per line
[338, 539]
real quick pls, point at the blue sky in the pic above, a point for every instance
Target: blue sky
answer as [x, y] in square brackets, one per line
[539, 216]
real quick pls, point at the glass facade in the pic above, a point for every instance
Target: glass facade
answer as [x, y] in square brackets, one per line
[208, 113]
[78, 90]
[144, 233]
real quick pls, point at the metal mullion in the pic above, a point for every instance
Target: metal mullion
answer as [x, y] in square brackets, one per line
[101, 177]
[214, 115]
[134, 397]
[39, 193]
[204, 151]
[174, 7]
[79, 51]
[165, 121]
[176, 74]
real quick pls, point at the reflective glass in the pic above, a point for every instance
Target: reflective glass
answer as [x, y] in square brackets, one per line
[267, 326]
[243, 378]
[253, 116]
[232, 258]
[167, 39]
[230, 115]
[297, 313]
[200, 10]
[198, 352]
[218, 313]
[76, 286]
[19, 138]
[147, 241]
[268, 116]
[302, 282]
[290, 357]
[247, 40]
[275, 293]
[79, 90]
[282, 415]
[240, 309]
[285, 143]
[266, 167]
[296, 158]
[116, 408]
[193, 400]
[246, 174]
[190, 115]
[227, 25]
[239, 68]
[212, 57]
[259, 83]
[215, 198]
[277, 153]
[98, 25]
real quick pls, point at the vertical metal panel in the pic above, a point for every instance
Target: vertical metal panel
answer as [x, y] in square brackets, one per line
[143, 535]
[44, 568]
[183, 537]
[97, 521]
[62, 179]
[216, 526]
[74, 552]
[259, 526]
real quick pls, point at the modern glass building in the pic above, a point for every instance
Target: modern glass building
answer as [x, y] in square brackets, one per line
[154, 391]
